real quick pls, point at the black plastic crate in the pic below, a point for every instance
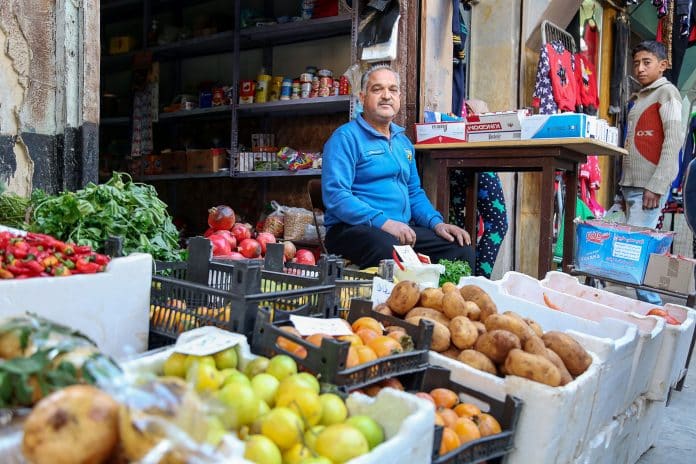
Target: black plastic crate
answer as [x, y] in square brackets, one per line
[328, 361]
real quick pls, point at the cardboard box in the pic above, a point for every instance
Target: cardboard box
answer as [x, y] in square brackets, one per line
[617, 251]
[209, 160]
[669, 272]
[174, 162]
[487, 127]
[549, 126]
[441, 132]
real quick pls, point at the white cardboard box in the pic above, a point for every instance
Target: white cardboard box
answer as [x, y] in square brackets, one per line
[441, 132]
[488, 127]
[670, 272]
[544, 126]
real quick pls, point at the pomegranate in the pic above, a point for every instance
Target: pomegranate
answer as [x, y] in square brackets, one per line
[240, 232]
[233, 255]
[228, 236]
[304, 257]
[263, 238]
[209, 232]
[250, 248]
[220, 245]
[290, 250]
[221, 217]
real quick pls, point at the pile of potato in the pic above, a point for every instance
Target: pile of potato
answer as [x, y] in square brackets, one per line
[468, 328]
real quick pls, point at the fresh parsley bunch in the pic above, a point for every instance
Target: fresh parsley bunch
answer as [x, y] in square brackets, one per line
[454, 270]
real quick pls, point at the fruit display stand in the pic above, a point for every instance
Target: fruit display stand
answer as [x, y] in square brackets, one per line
[406, 420]
[677, 341]
[109, 307]
[328, 361]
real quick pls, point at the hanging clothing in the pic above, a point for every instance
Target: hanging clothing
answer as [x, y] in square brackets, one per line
[591, 37]
[586, 78]
[622, 33]
[460, 33]
[687, 154]
[590, 177]
[141, 140]
[556, 87]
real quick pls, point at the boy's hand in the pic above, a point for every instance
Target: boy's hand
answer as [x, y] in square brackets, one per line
[651, 200]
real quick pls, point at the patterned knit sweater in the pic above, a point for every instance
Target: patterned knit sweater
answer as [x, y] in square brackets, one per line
[654, 137]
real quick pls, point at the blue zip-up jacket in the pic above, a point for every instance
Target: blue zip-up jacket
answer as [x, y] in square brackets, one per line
[368, 178]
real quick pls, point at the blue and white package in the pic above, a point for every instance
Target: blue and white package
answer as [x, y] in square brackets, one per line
[551, 126]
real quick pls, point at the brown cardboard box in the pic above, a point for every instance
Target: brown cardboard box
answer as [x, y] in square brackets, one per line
[670, 272]
[208, 160]
[174, 162]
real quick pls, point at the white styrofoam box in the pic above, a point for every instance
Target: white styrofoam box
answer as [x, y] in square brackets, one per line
[614, 342]
[441, 132]
[553, 422]
[674, 350]
[112, 308]
[408, 421]
[650, 330]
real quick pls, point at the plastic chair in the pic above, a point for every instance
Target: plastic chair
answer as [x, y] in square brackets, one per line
[317, 202]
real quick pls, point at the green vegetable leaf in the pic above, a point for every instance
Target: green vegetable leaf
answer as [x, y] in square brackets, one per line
[454, 270]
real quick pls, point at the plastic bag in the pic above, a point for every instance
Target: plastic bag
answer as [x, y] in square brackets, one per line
[294, 160]
[295, 221]
[275, 221]
[426, 275]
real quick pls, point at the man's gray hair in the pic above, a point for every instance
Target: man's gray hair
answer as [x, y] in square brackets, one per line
[377, 67]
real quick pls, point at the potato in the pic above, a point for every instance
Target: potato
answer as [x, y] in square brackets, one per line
[452, 352]
[481, 298]
[76, 424]
[532, 367]
[383, 308]
[511, 324]
[535, 345]
[463, 332]
[453, 305]
[573, 355]
[430, 313]
[431, 298]
[441, 334]
[404, 296]
[535, 327]
[477, 360]
[497, 344]
[480, 327]
[449, 287]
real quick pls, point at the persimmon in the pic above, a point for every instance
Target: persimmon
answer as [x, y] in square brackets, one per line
[353, 339]
[393, 383]
[439, 420]
[372, 390]
[450, 441]
[366, 334]
[385, 346]
[467, 410]
[426, 396]
[352, 359]
[449, 416]
[286, 343]
[315, 339]
[300, 352]
[365, 353]
[444, 397]
[487, 424]
[367, 323]
[466, 430]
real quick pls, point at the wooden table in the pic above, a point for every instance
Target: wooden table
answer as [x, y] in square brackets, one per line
[539, 155]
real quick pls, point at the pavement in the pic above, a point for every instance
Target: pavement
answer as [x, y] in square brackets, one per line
[676, 441]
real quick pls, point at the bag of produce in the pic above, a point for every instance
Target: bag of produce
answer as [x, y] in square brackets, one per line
[274, 222]
[295, 221]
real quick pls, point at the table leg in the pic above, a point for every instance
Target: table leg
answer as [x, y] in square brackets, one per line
[546, 220]
[568, 218]
[470, 222]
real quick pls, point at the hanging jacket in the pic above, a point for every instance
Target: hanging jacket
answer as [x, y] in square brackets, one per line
[586, 78]
[556, 71]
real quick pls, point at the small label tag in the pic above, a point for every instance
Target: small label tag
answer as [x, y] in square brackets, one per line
[205, 341]
[381, 289]
[311, 325]
[407, 255]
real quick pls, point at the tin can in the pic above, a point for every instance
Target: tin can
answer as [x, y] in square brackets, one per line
[306, 77]
[324, 73]
[296, 90]
[305, 89]
[343, 86]
[286, 89]
[335, 89]
[311, 70]
[306, 9]
[386, 269]
[262, 84]
[274, 91]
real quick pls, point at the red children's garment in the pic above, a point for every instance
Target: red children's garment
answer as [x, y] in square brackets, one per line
[563, 83]
[586, 83]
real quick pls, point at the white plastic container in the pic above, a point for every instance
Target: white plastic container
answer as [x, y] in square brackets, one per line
[407, 420]
[614, 342]
[112, 307]
[671, 361]
[650, 336]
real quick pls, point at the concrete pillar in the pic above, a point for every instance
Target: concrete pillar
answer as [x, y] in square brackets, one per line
[49, 94]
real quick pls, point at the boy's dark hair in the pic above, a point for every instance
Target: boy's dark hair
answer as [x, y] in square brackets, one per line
[650, 46]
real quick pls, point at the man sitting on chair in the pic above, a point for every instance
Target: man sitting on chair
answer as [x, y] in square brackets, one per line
[371, 187]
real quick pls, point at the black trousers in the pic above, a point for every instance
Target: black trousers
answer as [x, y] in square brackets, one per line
[366, 246]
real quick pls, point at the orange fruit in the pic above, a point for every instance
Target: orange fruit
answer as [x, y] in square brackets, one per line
[353, 339]
[366, 334]
[385, 346]
[315, 339]
[365, 353]
[487, 424]
[426, 396]
[467, 410]
[466, 430]
[300, 352]
[287, 344]
[450, 441]
[449, 416]
[392, 383]
[352, 360]
[367, 323]
[444, 397]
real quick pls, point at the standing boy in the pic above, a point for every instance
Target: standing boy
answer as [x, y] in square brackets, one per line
[653, 139]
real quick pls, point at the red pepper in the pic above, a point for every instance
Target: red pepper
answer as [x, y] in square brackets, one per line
[16, 270]
[34, 267]
[49, 261]
[5, 274]
[61, 271]
[101, 259]
[85, 267]
[83, 249]
[20, 250]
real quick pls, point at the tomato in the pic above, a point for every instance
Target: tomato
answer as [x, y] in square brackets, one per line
[263, 238]
[221, 217]
[221, 246]
[240, 232]
[227, 236]
[250, 248]
[304, 257]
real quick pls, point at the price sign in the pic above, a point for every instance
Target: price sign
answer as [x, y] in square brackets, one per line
[312, 325]
[381, 289]
[205, 341]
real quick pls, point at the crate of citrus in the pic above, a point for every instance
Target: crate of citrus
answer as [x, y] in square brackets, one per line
[366, 348]
[470, 426]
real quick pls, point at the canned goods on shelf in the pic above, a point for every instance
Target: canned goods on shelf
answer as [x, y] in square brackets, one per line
[262, 84]
[305, 89]
[286, 89]
[324, 73]
[306, 77]
[296, 90]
